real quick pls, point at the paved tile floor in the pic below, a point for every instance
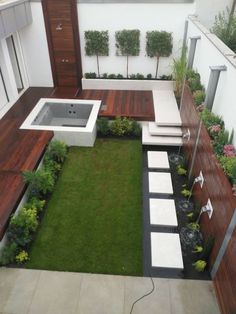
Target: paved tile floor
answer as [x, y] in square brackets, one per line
[45, 292]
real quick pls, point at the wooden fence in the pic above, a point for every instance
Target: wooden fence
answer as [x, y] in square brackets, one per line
[216, 187]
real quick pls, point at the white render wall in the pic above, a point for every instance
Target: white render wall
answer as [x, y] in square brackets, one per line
[145, 17]
[208, 9]
[211, 51]
[35, 49]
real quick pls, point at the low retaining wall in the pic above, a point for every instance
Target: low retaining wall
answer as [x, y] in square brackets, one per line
[127, 84]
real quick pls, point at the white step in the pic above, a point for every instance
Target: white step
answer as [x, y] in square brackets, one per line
[148, 139]
[166, 108]
[166, 250]
[160, 182]
[158, 160]
[162, 212]
[164, 130]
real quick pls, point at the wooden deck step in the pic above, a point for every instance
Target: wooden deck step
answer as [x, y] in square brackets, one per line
[166, 108]
[154, 129]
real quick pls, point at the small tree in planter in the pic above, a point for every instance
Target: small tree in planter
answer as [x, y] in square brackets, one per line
[158, 44]
[96, 44]
[128, 44]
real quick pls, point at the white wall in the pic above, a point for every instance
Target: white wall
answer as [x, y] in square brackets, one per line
[35, 49]
[208, 9]
[145, 17]
[207, 54]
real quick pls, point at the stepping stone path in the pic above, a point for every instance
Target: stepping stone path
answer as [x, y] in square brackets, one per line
[165, 246]
[166, 250]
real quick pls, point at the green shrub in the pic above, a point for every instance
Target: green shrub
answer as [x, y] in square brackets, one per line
[186, 193]
[112, 76]
[8, 254]
[136, 128]
[197, 249]
[132, 76]
[149, 76]
[139, 76]
[121, 126]
[166, 77]
[193, 226]
[22, 257]
[199, 97]
[57, 151]
[51, 166]
[229, 166]
[220, 141]
[22, 226]
[191, 74]
[209, 119]
[90, 75]
[104, 75]
[195, 84]
[200, 265]
[119, 76]
[103, 126]
[40, 182]
[181, 171]
[36, 203]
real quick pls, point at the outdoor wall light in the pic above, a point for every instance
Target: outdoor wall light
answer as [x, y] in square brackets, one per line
[187, 135]
[200, 179]
[207, 209]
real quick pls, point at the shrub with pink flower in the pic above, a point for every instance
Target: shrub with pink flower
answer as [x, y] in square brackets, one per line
[214, 130]
[229, 151]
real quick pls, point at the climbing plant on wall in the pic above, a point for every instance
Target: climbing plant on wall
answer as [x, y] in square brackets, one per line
[128, 44]
[96, 44]
[158, 44]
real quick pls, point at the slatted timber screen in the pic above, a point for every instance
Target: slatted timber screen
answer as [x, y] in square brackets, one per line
[218, 189]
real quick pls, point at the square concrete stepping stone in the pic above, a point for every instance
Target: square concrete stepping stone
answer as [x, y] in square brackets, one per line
[160, 182]
[158, 160]
[162, 212]
[166, 250]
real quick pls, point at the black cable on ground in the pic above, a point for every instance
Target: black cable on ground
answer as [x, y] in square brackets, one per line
[144, 296]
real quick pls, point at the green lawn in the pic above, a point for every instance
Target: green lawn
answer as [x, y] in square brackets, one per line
[93, 222]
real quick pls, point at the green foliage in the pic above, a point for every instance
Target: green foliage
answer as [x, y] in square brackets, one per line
[8, 254]
[103, 126]
[136, 128]
[111, 76]
[181, 171]
[90, 75]
[57, 151]
[139, 76]
[186, 193]
[22, 257]
[51, 166]
[121, 126]
[40, 182]
[225, 28]
[149, 76]
[128, 44]
[158, 44]
[166, 77]
[198, 249]
[209, 119]
[119, 76]
[229, 166]
[220, 141]
[199, 97]
[36, 203]
[96, 44]
[193, 226]
[22, 226]
[200, 265]
[179, 72]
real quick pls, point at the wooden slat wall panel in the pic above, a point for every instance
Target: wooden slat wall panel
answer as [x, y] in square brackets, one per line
[218, 189]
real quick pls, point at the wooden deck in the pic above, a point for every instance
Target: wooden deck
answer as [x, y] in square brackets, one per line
[133, 104]
[19, 150]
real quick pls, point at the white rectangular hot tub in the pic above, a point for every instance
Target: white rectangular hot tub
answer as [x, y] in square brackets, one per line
[73, 121]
